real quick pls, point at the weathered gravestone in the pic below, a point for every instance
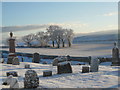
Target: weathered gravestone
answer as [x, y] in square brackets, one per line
[31, 79]
[15, 61]
[115, 56]
[64, 67]
[10, 58]
[14, 73]
[27, 66]
[47, 73]
[36, 58]
[85, 69]
[58, 60]
[2, 60]
[94, 66]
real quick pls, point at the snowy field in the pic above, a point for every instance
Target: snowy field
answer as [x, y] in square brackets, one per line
[107, 77]
[75, 50]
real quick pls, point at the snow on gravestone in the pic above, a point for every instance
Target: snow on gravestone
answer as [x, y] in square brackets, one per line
[31, 79]
[15, 61]
[64, 67]
[115, 55]
[94, 66]
[36, 58]
[58, 60]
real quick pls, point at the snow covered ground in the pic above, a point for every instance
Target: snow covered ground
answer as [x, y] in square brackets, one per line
[76, 50]
[107, 77]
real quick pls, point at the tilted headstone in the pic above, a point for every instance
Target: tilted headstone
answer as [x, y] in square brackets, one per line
[85, 69]
[115, 55]
[14, 73]
[94, 66]
[15, 61]
[64, 67]
[31, 79]
[36, 58]
[47, 73]
[27, 66]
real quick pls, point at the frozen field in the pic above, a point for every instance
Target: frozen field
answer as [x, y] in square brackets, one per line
[107, 77]
[75, 50]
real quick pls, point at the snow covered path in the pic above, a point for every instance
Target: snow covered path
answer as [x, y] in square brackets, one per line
[107, 77]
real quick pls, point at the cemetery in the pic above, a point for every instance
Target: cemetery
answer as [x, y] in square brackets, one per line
[33, 70]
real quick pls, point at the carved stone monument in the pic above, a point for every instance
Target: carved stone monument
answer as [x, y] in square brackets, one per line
[94, 67]
[11, 49]
[115, 55]
[36, 58]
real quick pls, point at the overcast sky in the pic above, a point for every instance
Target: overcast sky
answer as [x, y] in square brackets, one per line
[82, 17]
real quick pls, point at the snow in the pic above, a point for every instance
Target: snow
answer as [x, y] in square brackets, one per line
[107, 77]
[78, 50]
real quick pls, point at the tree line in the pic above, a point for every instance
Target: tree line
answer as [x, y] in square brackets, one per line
[54, 34]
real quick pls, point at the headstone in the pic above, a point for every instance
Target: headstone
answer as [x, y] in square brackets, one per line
[31, 79]
[15, 61]
[14, 73]
[85, 69]
[10, 59]
[27, 66]
[115, 56]
[2, 60]
[94, 66]
[58, 60]
[64, 67]
[36, 58]
[47, 73]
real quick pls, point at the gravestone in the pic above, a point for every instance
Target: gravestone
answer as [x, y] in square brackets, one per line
[10, 58]
[115, 56]
[14, 73]
[27, 66]
[85, 69]
[15, 61]
[36, 58]
[94, 66]
[2, 60]
[47, 73]
[58, 60]
[31, 79]
[11, 49]
[64, 67]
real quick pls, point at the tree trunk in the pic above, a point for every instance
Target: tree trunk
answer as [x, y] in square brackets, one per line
[69, 43]
[63, 43]
[58, 44]
[53, 43]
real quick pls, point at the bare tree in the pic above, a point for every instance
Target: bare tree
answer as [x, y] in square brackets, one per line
[43, 38]
[69, 36]
[52, 33]
[28, 39]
